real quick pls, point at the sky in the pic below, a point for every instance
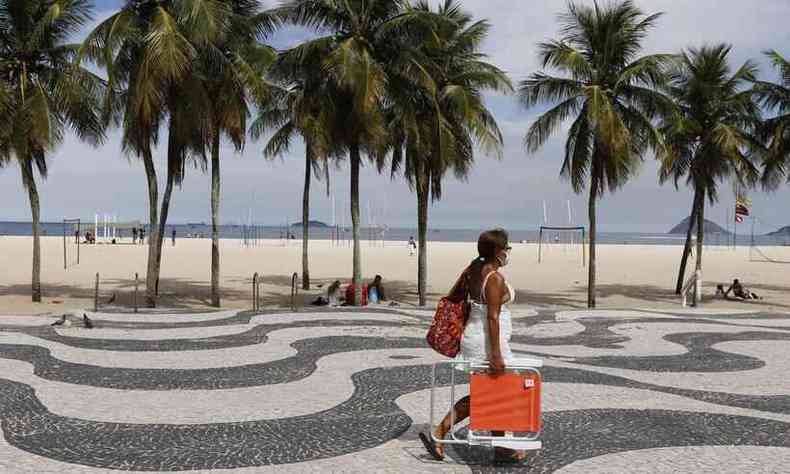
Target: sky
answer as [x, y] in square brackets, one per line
[506, 192]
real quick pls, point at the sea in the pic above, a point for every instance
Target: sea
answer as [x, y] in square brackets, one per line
[394, 234]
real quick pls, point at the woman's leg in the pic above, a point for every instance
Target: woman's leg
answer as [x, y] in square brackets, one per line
[459, 413]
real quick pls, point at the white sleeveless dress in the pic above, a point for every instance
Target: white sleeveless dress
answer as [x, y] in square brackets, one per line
[475, 343]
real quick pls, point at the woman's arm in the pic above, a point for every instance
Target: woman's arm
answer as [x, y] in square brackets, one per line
[494, 291]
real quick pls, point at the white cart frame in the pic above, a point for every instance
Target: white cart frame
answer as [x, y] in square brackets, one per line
[509, 440]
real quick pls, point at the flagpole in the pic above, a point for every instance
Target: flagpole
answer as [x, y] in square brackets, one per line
[735, 227]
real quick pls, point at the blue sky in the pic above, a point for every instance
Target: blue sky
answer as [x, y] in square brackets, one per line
[507, 192]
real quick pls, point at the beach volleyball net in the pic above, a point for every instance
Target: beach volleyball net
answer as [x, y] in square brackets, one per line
[72, 232]
[562, 243]
[770, 248]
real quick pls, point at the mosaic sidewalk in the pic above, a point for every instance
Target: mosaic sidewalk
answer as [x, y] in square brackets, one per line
[348, 391]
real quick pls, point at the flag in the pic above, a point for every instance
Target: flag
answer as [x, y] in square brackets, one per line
[742, 207]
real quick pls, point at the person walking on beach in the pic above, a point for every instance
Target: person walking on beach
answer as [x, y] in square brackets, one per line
[487, 331]
[134, 235]
[174, 236]
[142, 235]
[412, 246]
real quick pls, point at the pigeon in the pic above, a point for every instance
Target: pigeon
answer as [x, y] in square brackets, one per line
[112, 299]
[87, 321]
[60, 321]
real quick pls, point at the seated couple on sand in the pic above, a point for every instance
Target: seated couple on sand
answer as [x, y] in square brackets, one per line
[372, 292]
[738, 291]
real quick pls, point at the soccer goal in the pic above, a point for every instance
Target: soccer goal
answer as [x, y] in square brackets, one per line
[71, 251]
[569, 240]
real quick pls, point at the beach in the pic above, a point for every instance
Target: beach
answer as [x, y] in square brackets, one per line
[629, 276]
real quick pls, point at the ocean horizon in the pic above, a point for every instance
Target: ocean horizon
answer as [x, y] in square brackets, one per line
[393, 234]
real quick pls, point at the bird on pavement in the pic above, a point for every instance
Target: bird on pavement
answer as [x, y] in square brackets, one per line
[87, 321]
[60, 321]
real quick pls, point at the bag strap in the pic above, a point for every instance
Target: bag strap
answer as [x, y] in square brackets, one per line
[462, 284]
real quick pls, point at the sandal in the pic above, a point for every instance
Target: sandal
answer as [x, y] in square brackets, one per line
[430, 446]
[509, 456]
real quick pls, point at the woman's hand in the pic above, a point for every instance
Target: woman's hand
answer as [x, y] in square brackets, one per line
[497, 364]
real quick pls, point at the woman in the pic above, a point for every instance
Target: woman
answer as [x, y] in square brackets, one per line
[333, 296]
[488, 329]
[376, 290]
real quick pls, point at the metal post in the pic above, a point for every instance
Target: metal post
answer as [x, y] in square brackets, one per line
[96, 295]
[255, 291]
[540, 243]
[78, 241]
[294, 291]
[136, 285]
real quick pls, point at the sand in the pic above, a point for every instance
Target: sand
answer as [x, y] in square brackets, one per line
[629, 276]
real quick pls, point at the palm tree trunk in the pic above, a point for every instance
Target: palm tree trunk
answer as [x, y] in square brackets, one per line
[153, 206]
[29, 181]
[306, 217]
[162, 222]
[357, 275]
[173, 167]
[422, 231]
[687, 247]
[593, 233]
[215, 188]
[700, 230]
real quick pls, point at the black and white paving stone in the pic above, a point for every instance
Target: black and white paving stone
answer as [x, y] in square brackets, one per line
[347, 391]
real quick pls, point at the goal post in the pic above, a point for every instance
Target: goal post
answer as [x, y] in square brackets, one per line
[544, 230]
[71, 228]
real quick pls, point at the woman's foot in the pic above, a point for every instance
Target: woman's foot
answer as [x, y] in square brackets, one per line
[434, 449]
[509, 456]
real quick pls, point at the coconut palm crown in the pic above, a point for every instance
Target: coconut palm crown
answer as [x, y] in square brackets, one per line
[607, 90]
[43, 92]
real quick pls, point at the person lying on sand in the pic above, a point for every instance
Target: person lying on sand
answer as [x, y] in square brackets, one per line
[739, 292]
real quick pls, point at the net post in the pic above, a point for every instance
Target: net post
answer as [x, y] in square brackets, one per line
[64, 244]
[136, 284]
[584, 248]
[540, 243]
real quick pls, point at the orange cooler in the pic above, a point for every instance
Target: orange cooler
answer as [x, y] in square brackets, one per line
[505, 402]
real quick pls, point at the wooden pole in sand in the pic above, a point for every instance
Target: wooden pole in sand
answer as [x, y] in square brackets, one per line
[136, 285]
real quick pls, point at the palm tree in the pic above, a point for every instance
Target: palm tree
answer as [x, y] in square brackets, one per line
[775, 131]
[438, 113]
[710, 137]
[233, 70]
[43, 92]
[302, 107]
[608, 90]
[360, 46]
[148, 48]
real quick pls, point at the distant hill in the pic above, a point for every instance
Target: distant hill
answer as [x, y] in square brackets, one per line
[784, 231]
[312, 224]
[710, 227]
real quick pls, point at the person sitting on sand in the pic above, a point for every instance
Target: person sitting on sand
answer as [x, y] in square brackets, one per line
[376, 290]
[738, 291]
[333, 296]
